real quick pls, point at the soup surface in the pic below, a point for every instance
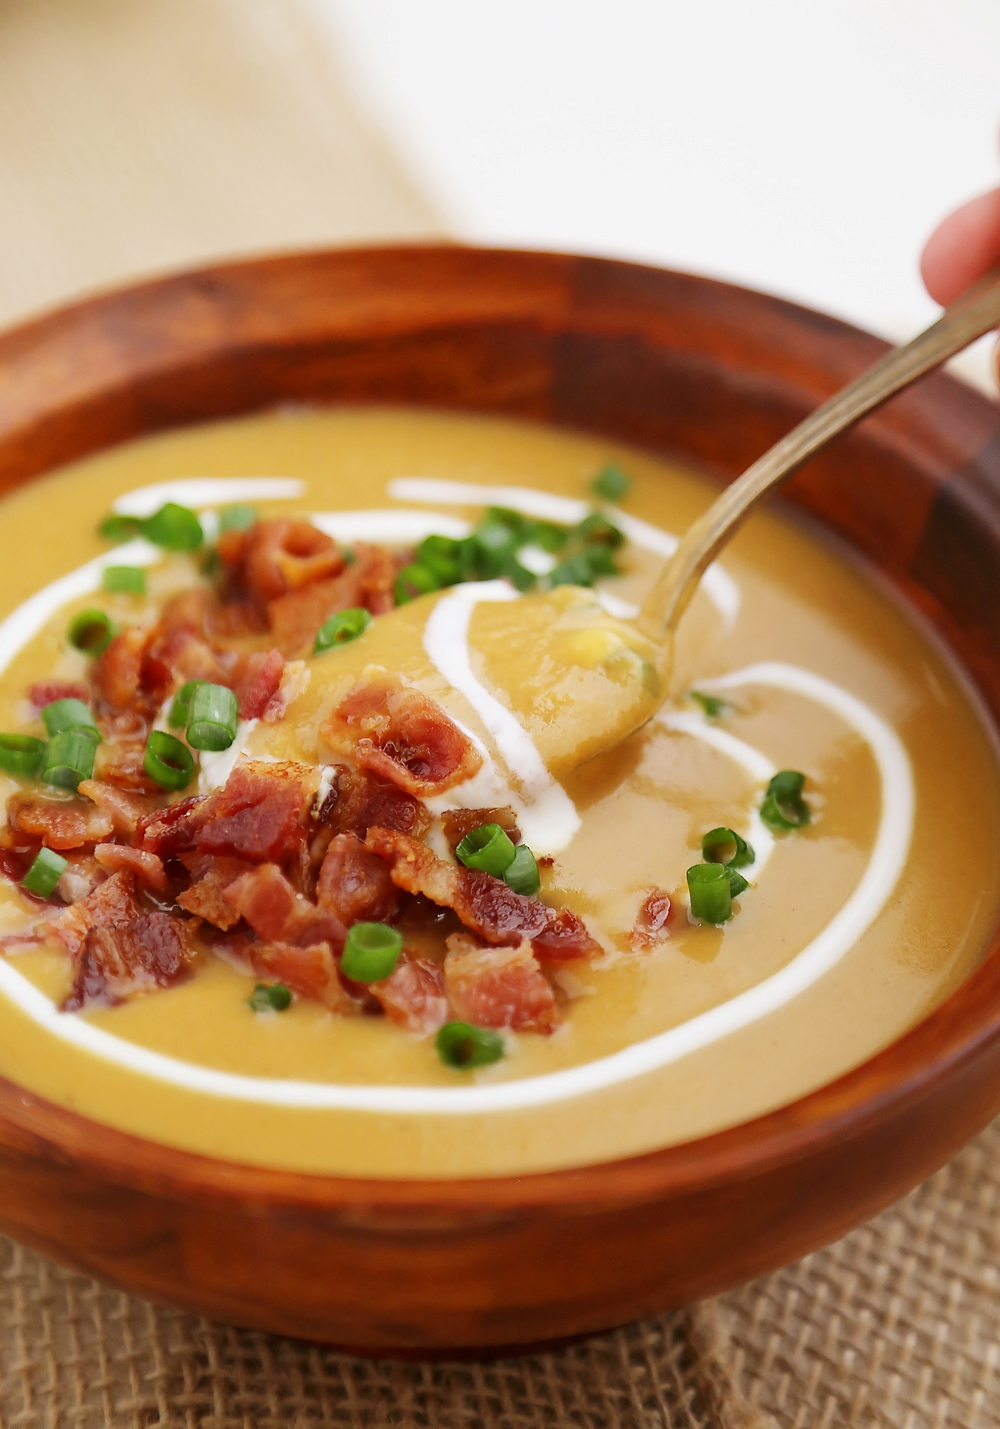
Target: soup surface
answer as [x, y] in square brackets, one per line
[184, 975]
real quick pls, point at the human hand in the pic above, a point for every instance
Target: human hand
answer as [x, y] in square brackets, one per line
[961, 249]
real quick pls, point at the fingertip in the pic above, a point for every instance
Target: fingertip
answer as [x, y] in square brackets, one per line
[962, 248]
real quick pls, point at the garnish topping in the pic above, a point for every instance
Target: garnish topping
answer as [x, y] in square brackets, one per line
[238, 517]
[69, 758]
[91, 631]
[371, 952]
[180, 710]
[784, 807]
[522, 874]
[611, 483]
[167, 761]
[173, 527]
[44, 873]
[270, 997]
[726, 846]
[710, 892]
[488, 848]
[21, 754]
[346, 625]
[213, 715]
[462, 1046]
[63, 715]
[128, 579]
[714, 708]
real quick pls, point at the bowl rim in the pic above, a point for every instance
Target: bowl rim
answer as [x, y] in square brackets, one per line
[952, 1036]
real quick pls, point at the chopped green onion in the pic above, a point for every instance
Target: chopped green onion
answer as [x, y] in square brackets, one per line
[520, 526]
[522, 873]
[91, 631]
[441, 555]
[711, 895]
[519, 576]
[547, 534]
[488, 848]
[270, 997]
[574, 570]
[44, 873]
[597, 528]
[601, 559]
[238, 517]
[168, 761]
[497, 543]
[371, 952]
[713, 708]
[726, 846]
[63, 715]
[120, 528]
[737, 883]
[414, 580]
[462, 1046]
[340, 628]
[211, 563]
[131, 579]
[21, 754]
[349, 556]
[784, 806]
[611, 483]
[174, 527]
[213, 715]
[180, 710]
[69, 757]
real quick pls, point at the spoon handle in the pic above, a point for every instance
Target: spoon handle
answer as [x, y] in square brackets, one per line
[968, 317]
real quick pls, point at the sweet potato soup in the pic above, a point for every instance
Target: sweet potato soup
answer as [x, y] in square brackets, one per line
[312, 858]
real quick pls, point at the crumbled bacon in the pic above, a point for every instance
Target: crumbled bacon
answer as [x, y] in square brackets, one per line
[311, 972]
[80, 877]
[123, 764]
[111, 905]
[498, 987]
[456, 823]
[256, 680]
[357, 801]
[399, 733]
[413, 995]
[213, 875]
[151, 951]
[354, 885]
[258, 815]
[275, 912]
[147, 867]
[124, 809]
[117, 673]
[58, 823]
[281, 556]
[44, 694]
[294, 682]
[176, 656]
[483, 903]
[172, 830]
[652, 920]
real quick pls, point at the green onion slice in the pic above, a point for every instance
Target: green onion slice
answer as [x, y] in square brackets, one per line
[44, 873]
[180, 710]
[737, 883]
[597, 529]
[462, 1046]
[238, 517]
[340, 628]
[414, 580]
[441, 555]
[270, 997]
[91, 631]
[713, 708]
[213, 715]
[522, 873]
[726, 846]
[710, 892]
[130, 579]
[63, 715]
[784, 806]
[371, 952]
[168, 761]
[174, 527]
[21, 754]
[69, 757]
[488, 848]
[611, 483]
[120, 528]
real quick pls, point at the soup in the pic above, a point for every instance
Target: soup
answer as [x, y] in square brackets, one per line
[308, 861]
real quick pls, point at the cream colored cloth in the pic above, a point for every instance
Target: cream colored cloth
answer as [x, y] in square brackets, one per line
[140, 135]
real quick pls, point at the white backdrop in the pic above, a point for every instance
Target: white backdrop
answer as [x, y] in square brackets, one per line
[806, 147]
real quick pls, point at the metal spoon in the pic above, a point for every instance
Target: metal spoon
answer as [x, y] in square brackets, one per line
[976, 312]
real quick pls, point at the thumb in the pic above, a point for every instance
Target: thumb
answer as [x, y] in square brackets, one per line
[962, 248]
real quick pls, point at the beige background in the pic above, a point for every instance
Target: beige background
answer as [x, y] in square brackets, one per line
[140, 135]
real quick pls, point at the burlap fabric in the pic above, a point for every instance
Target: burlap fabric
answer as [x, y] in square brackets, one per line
[137, 135]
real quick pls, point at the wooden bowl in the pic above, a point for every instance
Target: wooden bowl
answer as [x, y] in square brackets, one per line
[702, 371]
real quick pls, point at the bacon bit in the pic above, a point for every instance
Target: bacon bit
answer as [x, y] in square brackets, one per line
[278, 556]
[236, 619]
[357, 801]
[59, 824]
[80, 877]
[354, 885]
[294, 682]
[256, 680]
[150, 951]
[186, 611]
[413, 996]
[174, 829]
[176, 657]
[124, 809]
[483, 903]
[205, 897]
[112, 905]
[258, 814]
[375, 569]
[15, 865]
[117, 673]
[652, 920]
[456, 823]
[275, 912]
[498, 987]
[44, 694]
[402, 735]
[295, 619]
[123, 725]
[124, 765]
[311, 972]
[147, 867]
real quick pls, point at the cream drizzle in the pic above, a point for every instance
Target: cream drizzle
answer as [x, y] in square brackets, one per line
[201, 491]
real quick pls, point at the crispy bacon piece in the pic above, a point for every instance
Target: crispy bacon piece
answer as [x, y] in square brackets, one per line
[111, 905]
[58, 823]
[276, 913]
[358, 800]
[256, 681]
[147, 867]
[354, 885]
[176, 656]
[296, 616]
[311, 972]
[413, 996]
[483, 903]
[402, 735]
[456, 823]
[258, 815]
[498, 987]
[124, 809]
[80, 877]
[117, 673]
[213, 875]
[151, 951]
[43, 694]
[652, 920]
[174, 829]
[123, 765]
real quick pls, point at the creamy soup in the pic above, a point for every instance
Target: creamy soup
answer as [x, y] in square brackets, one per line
[308, 861]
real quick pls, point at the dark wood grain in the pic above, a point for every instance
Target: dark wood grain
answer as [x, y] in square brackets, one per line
[688, 367]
